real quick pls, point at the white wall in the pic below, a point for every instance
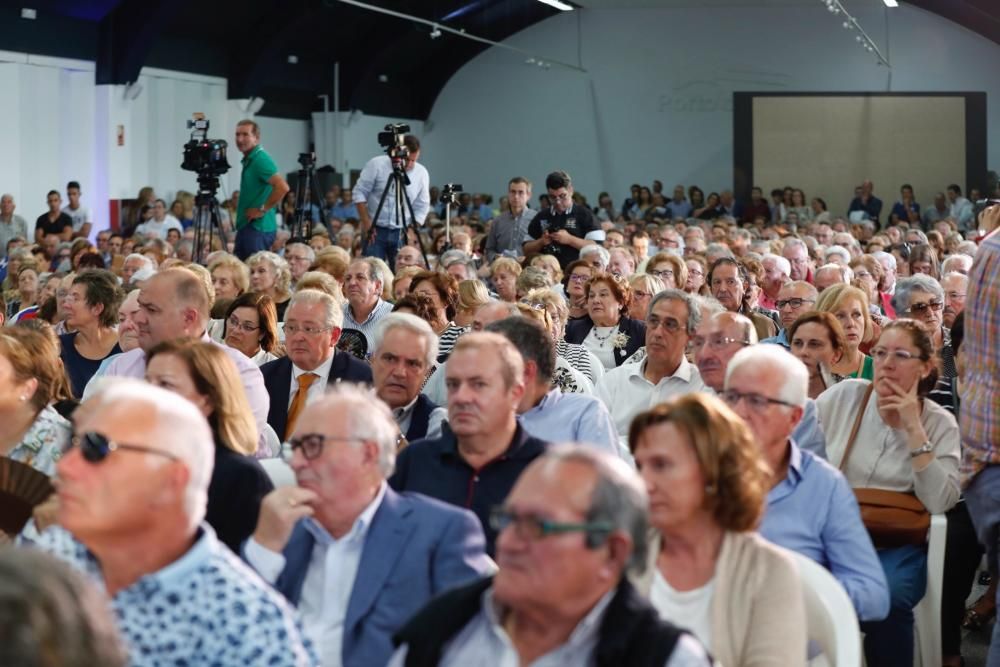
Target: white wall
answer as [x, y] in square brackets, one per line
[357, 133]
[657, 99]
[58, 126]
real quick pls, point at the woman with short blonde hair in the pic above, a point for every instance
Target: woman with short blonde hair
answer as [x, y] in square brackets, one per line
[472, 294]
[271, 275]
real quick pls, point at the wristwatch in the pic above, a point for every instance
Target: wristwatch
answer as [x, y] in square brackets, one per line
[925, 448]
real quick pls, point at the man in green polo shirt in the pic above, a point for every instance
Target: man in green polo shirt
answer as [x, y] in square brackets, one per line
[261, 188]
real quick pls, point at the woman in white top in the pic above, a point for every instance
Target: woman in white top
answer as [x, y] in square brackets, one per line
[251, 326]
[708, 570]
[904, 443]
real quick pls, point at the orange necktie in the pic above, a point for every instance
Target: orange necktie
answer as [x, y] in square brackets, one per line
[299, 402]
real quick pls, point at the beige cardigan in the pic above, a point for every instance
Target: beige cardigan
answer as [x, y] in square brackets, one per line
[758, 611]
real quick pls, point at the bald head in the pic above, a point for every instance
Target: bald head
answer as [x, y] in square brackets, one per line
[727, 334]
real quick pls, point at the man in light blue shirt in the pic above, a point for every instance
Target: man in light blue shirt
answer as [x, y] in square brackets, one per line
[810, 508]
[373, 181]
[545, 412]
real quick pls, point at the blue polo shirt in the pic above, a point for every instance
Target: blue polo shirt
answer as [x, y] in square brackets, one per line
[435, 468]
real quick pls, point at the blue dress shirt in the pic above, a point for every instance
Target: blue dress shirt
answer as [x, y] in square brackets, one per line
[813, 511]
[563, 417]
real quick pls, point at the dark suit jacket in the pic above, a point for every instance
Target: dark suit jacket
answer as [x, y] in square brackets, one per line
[278, 380]
[577, 330]
[416, 548]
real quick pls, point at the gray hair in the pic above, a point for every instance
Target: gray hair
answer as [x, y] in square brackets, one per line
[954, 274]
[884, 257]
[780, 262]
[720, 249]
[307, 249]
[414, 325]
[967, 248]
[619, 498]
[333, 316]
[593, 249]
[844, 253]
[147, 262]
[179, 429]
[948, 266]
[694, 312]
[916, 283]
[449, 257]
[778, 361]
[795, 243]
[708, 306]
[370, 420]
[846, 274]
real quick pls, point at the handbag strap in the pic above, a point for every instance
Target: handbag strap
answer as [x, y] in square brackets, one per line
[857, 425]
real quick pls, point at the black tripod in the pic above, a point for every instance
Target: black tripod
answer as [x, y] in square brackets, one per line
[398, 180]
[306, 193]
[207, 218]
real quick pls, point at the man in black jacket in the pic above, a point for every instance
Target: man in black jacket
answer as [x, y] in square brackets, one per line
[574, 523]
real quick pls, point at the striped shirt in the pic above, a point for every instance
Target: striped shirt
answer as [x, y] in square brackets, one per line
[581, 359]
[367, 328]
[980, 414]
[447, 340]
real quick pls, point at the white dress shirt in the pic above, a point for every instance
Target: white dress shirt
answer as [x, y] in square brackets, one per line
[626, 391]
[404, 416]
[317, 388]
[329, 580]
[372, 183]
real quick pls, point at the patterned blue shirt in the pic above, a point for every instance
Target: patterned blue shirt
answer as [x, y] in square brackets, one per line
[206, 608]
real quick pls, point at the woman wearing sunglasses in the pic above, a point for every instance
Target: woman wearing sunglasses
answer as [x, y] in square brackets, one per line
[251, 326]
[921, 298]
[33, 432]
[206, 376]
[899, 442]
[708, 569]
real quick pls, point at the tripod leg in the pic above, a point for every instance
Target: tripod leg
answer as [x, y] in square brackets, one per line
[372, 237]
[416, 228]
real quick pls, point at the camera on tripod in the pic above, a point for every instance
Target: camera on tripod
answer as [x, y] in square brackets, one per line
[307, 160]
[449, 194]
[206, 157]
[392, 140]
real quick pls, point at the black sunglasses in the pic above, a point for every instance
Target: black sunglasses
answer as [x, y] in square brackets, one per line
[95, 447]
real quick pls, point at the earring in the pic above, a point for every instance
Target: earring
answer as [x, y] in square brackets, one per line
[23, 398]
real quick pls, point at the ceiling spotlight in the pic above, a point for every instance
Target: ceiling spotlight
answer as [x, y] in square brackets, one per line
[383, 78]
[891, 3]
[293, 60]
[436, 32]
[529, 61]
[558, 4]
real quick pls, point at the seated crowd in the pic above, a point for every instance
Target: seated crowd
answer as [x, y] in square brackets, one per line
[577, 435]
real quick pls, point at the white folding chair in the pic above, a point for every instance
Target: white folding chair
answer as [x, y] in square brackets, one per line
[830, 617]
[927, 614]
[281, 473]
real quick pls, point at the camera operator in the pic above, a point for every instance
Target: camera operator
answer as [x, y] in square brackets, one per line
[560, 231]
[368, 190]
[261, 188]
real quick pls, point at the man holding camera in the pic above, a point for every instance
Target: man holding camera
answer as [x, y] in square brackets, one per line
[387, 237]
[562, 229]
[261, 189]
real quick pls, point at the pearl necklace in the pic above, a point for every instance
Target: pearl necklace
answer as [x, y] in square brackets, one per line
[604, 339]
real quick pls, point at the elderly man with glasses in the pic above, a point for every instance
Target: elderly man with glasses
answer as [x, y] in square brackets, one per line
[722, 337]
[572, 526]
[810, 508]
[132, 499]
[355, 557]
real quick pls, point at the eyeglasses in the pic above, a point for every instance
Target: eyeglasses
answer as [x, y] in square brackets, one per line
[532, 304]
[755, 401]
[693, 272]
[292, 329]
[532, 528]
[578, 278]
[794, 303]
[880, 354]
[296, 258]
[921, 308]
[95, 447]
[234, 323]
[311, 445]
[668, 323]
[716, 342]
[955, 295]
[663, 273]
[639, 294]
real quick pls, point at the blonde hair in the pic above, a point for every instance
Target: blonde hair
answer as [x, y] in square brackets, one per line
[505, 264]
[551, 263]
[283, 273]
[215, 376]
[322, 281]
[240, 271]
[834, 296]
[678, 264]
[471, 295]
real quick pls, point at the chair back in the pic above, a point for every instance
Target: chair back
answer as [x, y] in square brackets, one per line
[830, 617]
